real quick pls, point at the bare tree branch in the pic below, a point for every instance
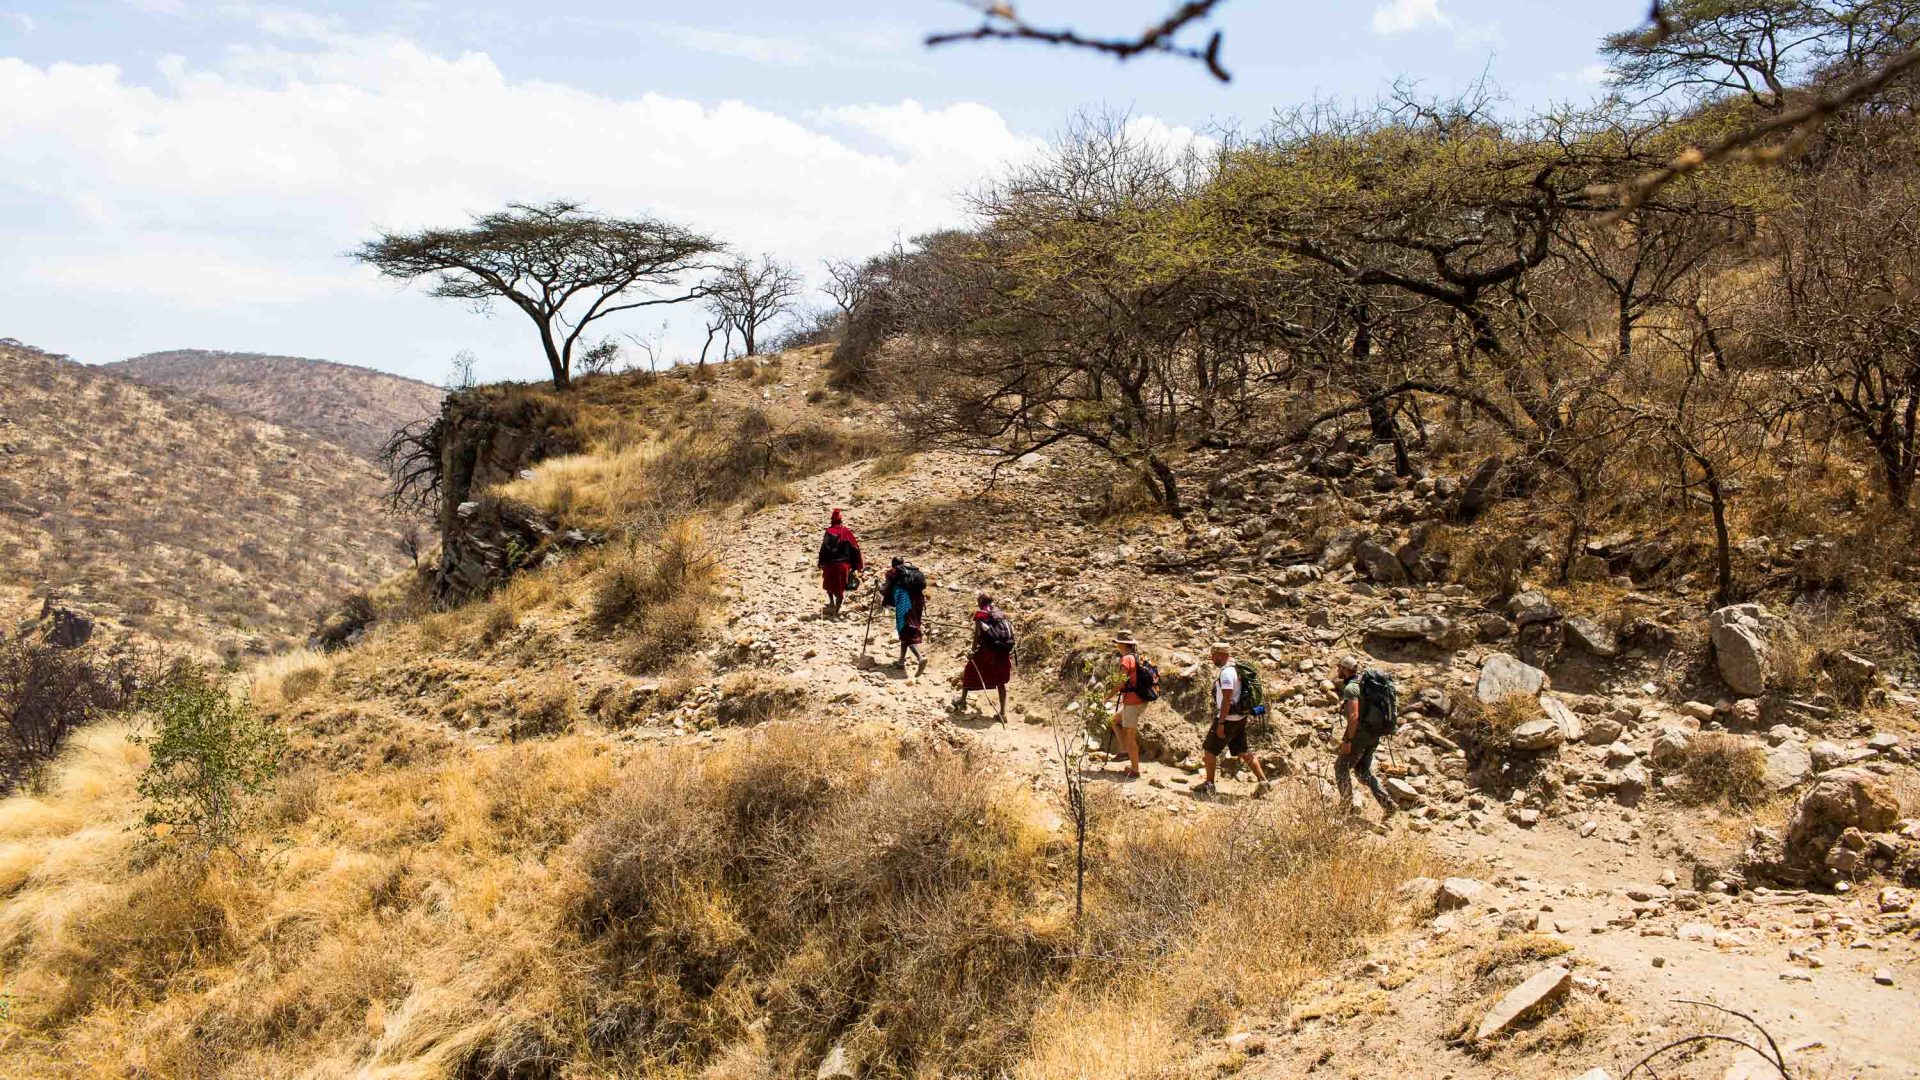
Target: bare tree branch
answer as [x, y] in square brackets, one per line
[1000, 22]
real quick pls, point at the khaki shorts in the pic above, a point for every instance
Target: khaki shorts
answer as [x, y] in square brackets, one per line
[1130, 715]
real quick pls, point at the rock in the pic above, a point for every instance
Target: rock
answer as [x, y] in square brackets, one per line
[1883, 741]
[1788, 765]
[1532, 607]
[1520, 921]
[1456, 892]
[1591, 638]
[1572, 728]
[1503, 676]
[1595, 1074]
[1379, 564]
[1839, 800]
[1479, 489]
[1238, 619]
[1604, 731]
[1630, 784]
[1669, 747]
[1543, 989]
[1542, 734]
[1698, 710]
[1827, 755]
[1855, 677]
[1492, 627]
[1409, 628]
[63, 628]
[1339, 550]
[1741, 646]
[1893, 900]
[1421, 894]
[837, 1065]
[1883, 976]
[1619, 754]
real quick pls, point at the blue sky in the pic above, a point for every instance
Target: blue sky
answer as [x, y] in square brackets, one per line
[188, 174]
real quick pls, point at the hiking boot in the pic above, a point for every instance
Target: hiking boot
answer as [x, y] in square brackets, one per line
[1206, 790]
[1260, 789]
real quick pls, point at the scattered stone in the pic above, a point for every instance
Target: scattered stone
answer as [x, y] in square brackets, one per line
[1379, 564]
[1239, 619]
[1699, 710]
[1492, 627]
[1604, 731]
[837, 1065]
[1894, 900]
[1543, 989]
[1531, 607]
[1883, 976]
[1542, 734]
[1788, 765]
[1409, 628]
[1669, 747]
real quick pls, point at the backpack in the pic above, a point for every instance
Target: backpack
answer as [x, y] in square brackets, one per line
[911, 579]
[1379, 703]
[1253, 699]
[1146, 679]
[835, 549]
[996, 632]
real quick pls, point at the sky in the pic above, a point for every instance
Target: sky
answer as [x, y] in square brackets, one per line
[176, 174]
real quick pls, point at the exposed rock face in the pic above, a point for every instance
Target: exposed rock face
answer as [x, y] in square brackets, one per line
[1841, 804]
[63, 628]
[1410, 628]
[486, 439]
[1741, 635]
[1503, 676]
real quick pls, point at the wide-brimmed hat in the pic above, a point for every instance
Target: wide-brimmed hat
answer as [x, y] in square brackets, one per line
[1125, 637]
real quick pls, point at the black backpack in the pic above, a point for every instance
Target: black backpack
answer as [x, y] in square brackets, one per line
[834, 549]
[911, 579]
[996, 632]
[1379, 703]
[1146, 679]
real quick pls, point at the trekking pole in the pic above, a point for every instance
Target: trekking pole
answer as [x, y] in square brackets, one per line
[867, 635]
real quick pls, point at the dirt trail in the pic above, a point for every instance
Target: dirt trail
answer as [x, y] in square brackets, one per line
[1834, 1018]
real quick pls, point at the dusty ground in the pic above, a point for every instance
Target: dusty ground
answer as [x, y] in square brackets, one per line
[1394, 1014]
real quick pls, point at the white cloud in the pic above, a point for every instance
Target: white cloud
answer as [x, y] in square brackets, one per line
[1401, 16]
[1595, 74]
[231, 190]
[19, 20]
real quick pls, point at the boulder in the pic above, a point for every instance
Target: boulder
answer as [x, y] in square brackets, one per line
[1339, 550]
[63, 628]
[1379, 563]
[1503, 676]
[1239, 619]
[1542, 990]
[1492, 627]
[1855, 677]
[1422, 894]
[1630, 784]
[1479, 489]
[1531, 607]
[1592, 638]
[1742, 649]
[1827, 755]
[1838, 801]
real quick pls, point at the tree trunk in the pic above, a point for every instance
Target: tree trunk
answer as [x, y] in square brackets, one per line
[1165, 486]
[556, 361]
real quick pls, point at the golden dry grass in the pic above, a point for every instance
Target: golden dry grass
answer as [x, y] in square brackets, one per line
[729, 911]
[1723, 770]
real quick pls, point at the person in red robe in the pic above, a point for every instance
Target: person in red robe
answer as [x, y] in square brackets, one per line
[990, 667]
[840, 560]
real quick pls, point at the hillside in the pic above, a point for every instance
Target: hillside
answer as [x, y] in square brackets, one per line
[646, 810]
[354, 407]
[169, 517]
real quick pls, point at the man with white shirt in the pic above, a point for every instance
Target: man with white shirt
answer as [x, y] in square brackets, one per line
[1229, 728]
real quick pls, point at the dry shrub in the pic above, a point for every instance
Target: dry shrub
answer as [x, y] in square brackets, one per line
[1497, 969]
[890, 465]
[1483, 728]
[760, 498]
[543, 705]
[755, 697]
[1723, 769]
[656, 572]
[1126, 497]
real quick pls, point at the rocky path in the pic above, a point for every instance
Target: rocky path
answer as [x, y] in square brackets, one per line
[1805, 964]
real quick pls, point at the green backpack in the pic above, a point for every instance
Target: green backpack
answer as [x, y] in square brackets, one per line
[1253, 699]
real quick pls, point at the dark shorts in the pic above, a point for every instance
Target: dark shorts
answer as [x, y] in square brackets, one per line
[1234, 742]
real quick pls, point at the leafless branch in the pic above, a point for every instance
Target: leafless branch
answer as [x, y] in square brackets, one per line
[1000, 22]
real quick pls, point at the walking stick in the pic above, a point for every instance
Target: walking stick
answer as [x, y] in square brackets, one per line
[867, 635]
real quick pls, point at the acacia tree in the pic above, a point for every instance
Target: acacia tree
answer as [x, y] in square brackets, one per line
[745, 295]
[564, 267]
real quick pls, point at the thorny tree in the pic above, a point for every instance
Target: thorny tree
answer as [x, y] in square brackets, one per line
[563, 267]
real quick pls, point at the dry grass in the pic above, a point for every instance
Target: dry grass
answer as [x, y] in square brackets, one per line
[751, 697]
[539, 910]
[1488, 727]
[1723, 770]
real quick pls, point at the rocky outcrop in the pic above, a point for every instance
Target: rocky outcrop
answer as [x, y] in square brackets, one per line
[486, 437]
[1828, 831]
[1503, 676]
[63, 628]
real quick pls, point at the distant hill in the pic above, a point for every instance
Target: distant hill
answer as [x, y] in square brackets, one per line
[356, 407]
[163, 514]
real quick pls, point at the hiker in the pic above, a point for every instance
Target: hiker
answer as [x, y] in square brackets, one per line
[1138, 685]
[1229, 729]
[1368, 717]
[840, 561]
[904, 589]
[990, 667]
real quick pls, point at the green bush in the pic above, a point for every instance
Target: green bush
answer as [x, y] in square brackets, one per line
[212, 759]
